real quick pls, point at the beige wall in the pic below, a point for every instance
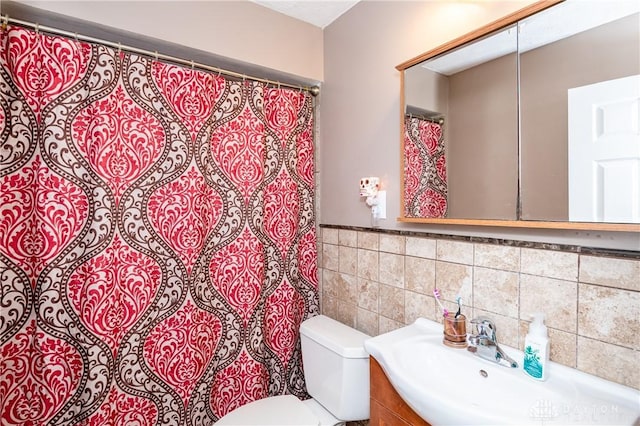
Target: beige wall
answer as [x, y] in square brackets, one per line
[361, 93]
[378, 282]
[360, 113]
[482, 149]
[251, 36]
[426, 90]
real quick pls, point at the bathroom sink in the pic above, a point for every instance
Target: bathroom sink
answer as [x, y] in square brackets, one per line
[452, 386]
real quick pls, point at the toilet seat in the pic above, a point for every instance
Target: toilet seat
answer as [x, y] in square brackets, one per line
[284, 410]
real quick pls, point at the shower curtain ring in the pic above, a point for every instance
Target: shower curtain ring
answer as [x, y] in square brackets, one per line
[37, 29]
[155, 53]
[192, 64]
[5, 22]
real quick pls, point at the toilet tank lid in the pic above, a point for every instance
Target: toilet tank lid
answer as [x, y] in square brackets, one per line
[341, 339]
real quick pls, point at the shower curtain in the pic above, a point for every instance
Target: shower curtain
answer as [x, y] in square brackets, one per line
[425, 170]
[157, 237]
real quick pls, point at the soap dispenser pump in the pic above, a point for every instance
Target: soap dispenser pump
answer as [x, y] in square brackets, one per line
[536, 348]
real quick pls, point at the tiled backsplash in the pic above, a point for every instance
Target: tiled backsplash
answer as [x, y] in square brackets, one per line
[378, 281]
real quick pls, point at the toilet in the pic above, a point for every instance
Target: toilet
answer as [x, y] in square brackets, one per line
[336, 371]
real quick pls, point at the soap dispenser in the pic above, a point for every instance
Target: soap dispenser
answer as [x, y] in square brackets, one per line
[536, 349]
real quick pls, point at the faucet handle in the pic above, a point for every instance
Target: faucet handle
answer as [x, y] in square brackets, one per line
[485, 327]
[485, 344]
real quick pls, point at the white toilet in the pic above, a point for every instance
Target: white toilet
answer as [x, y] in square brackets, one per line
[336, 370]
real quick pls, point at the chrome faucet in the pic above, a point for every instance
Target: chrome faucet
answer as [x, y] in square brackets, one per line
[485, 345]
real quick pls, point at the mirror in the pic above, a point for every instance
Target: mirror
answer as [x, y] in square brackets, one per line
[495, 122]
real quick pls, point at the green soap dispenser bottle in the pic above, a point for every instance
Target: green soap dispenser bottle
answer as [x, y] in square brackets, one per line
[536, 349]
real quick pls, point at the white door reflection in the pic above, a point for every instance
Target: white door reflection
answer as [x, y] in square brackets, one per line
[604, 150]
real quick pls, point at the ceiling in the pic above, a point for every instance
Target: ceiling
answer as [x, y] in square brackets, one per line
[316, 12]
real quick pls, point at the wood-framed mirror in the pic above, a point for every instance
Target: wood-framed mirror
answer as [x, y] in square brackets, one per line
[493, 123]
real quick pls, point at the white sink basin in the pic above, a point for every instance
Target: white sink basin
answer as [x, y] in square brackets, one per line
[448, 386]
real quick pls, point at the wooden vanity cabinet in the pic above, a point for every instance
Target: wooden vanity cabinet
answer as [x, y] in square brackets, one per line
[387, 407]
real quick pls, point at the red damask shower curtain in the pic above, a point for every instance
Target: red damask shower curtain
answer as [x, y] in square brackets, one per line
[425, 170]
[157, 237]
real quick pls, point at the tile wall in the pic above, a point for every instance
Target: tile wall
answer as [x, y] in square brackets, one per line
[379, 281]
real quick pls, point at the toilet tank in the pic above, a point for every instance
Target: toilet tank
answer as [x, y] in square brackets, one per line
[336, 367]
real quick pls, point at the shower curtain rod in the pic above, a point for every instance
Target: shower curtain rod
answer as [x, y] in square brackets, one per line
[314, 90]
[429, 119]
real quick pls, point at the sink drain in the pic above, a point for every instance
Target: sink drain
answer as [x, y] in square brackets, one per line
[484, 373]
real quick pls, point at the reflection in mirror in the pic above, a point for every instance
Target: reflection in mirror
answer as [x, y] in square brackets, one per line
[580, 98]
[474, 90]
[521, 142]
[425, 169]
